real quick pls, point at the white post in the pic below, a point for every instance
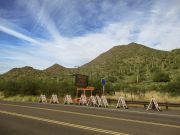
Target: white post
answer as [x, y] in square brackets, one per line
[103, 89]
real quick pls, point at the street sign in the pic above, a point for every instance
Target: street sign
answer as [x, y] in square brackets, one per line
[103, 81]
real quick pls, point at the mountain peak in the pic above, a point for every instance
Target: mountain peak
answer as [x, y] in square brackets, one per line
[55, 68]
[133, 47]
[133, 43]
[26, 68]
[130, 46]
[121, 53]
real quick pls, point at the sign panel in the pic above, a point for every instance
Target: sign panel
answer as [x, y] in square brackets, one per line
[81, 80]
[103, 81]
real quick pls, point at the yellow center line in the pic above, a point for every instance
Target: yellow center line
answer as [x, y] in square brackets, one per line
[98, 116]
[63, 123]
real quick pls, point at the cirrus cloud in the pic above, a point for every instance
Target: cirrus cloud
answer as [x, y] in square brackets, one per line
[73, 33]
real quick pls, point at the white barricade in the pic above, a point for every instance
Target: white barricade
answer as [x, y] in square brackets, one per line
[68, 99]
[83, 100]
[153, 105]
[121, 102]
[98, 99]
[42, 99]
[104, 101]
[54, 99]
[92, 101]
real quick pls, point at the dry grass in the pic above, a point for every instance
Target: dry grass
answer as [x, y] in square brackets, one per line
[1, 95]
[25, 98]
[161, 97]
[19, 98]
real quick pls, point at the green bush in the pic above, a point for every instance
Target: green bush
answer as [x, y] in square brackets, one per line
[173, 87]
[112, 79]
[159, 76]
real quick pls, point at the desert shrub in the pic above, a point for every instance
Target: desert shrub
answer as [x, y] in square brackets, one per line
[160, 76]
[112, 79]
[173, 87]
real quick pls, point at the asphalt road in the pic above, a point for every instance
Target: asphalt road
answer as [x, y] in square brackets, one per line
[17, 118]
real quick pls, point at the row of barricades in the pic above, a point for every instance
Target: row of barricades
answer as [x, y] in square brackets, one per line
[96, 101]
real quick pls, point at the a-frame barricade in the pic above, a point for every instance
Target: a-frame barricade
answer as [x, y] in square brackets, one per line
[68, 99]
[42, 99]
[121, 102]
[98, 99]
[153, 105]
[104, 101]
[54, 99]
[83, 100]
[92, 101]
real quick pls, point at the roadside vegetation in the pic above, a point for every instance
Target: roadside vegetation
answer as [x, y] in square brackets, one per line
[132, 69]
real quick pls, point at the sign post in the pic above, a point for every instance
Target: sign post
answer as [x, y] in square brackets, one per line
[103, 97]
[103, 81]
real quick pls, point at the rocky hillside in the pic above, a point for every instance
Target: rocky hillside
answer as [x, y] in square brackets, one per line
[133, 65]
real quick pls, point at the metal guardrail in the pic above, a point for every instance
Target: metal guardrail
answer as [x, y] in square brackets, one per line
[145, 103]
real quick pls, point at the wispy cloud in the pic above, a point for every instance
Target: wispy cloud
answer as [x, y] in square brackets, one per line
[78, 31]
[162, 27]
[40, 11]
[17, 34]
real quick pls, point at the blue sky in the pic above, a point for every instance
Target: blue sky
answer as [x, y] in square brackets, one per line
[40, 33]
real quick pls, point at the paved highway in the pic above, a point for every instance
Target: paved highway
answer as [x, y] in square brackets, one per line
[17, 118]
